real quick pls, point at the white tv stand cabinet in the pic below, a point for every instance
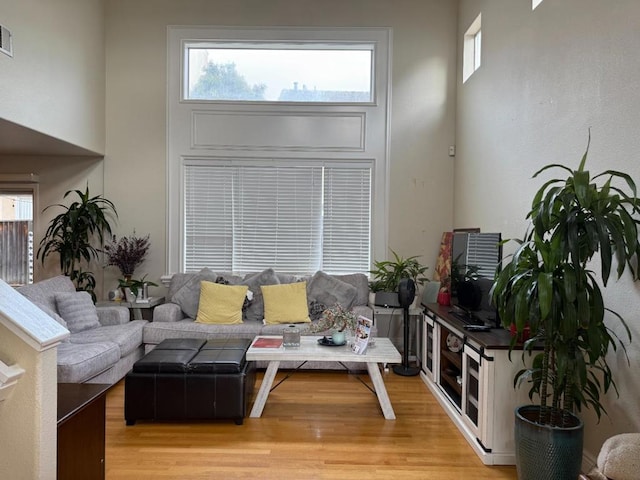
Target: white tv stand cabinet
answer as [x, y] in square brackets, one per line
[471, 376]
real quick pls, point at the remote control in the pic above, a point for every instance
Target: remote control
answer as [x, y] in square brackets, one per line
[477, 328]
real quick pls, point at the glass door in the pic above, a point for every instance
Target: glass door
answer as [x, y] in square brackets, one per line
[471, 394]
[451, 346]
[428, 357]
[16, 236]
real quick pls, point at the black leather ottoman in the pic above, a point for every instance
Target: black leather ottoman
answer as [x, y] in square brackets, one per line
[190, 379]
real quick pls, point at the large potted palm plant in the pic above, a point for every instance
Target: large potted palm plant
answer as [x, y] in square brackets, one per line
[549, 291]
[76, 234]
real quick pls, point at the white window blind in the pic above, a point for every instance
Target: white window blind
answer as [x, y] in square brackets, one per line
[293, 218]
[483, 251]
[277, 218]
[347, 226]
[208, 220]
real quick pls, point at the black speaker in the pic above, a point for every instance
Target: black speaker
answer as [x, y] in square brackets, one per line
[469, 294]
[406, 292]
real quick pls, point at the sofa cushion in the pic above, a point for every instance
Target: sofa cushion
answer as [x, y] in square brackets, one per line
[221, 304]
[328, 290]
[286, 303]
[255, 311]
[43, 292]
[361, 283]
[79, 363]
[78, 310]
[127, 337]
[155, 332]
[188, 296]
[177, 282]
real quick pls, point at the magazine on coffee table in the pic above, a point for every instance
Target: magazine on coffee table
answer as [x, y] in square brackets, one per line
[265, 342]
[363, 332]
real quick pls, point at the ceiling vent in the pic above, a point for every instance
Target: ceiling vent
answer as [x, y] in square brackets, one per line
[6, 45]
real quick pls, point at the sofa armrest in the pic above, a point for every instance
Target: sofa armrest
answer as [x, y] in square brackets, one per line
[168, 312]
[112, 315]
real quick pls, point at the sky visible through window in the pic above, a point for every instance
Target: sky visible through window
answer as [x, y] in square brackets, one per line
[323, 71]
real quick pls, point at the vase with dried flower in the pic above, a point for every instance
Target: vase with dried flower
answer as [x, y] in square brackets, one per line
[339, 321]
[128, 253]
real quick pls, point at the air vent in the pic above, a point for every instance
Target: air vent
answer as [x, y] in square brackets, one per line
[6, 45]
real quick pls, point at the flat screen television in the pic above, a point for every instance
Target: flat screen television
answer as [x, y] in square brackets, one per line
[482, 254]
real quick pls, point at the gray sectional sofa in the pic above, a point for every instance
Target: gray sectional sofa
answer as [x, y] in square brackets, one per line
[103, 345]
[175, 318]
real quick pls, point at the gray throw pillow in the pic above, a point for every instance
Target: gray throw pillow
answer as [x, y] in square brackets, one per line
[255, 311]
[361, 282]
[188, 296]
[78, 310]
[328, 290]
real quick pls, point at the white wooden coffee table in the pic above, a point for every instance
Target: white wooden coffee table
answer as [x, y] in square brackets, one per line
[309, 350]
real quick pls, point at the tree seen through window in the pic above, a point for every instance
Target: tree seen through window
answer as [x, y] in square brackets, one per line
[223, 82]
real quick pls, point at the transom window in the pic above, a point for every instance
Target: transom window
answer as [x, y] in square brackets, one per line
[279, 72]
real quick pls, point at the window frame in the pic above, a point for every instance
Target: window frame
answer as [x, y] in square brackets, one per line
[182, 142]
[256, 44]
[24, 184]
[472, 49]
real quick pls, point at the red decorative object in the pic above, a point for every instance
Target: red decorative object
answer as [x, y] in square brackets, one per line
[524, 336]
[444, 298]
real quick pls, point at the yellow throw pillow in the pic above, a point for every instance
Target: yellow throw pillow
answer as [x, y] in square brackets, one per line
[221, 304]
[285, 303]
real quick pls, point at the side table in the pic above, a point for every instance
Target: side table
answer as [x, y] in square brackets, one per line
[139, 310]
[81, 430]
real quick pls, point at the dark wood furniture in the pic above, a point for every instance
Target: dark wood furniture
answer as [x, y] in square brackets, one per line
[81, 430]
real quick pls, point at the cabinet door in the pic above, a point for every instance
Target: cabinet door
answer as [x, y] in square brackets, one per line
[472, 397]
[428, 347]
[450, 348]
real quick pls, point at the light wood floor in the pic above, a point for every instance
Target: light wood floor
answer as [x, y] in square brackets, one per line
[316, 425]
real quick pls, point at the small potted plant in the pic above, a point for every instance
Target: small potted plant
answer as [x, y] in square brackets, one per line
[133, 288]
[387, 274]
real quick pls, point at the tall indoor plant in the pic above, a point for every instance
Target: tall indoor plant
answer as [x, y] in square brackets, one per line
[548, 289]
[76, 234]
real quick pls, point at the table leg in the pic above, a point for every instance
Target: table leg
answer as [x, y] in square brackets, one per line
[265, 388]
[137, 313]
[381, 391]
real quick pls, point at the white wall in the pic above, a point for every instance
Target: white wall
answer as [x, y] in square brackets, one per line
[546, 77]
[54, 84]
[422, 118]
